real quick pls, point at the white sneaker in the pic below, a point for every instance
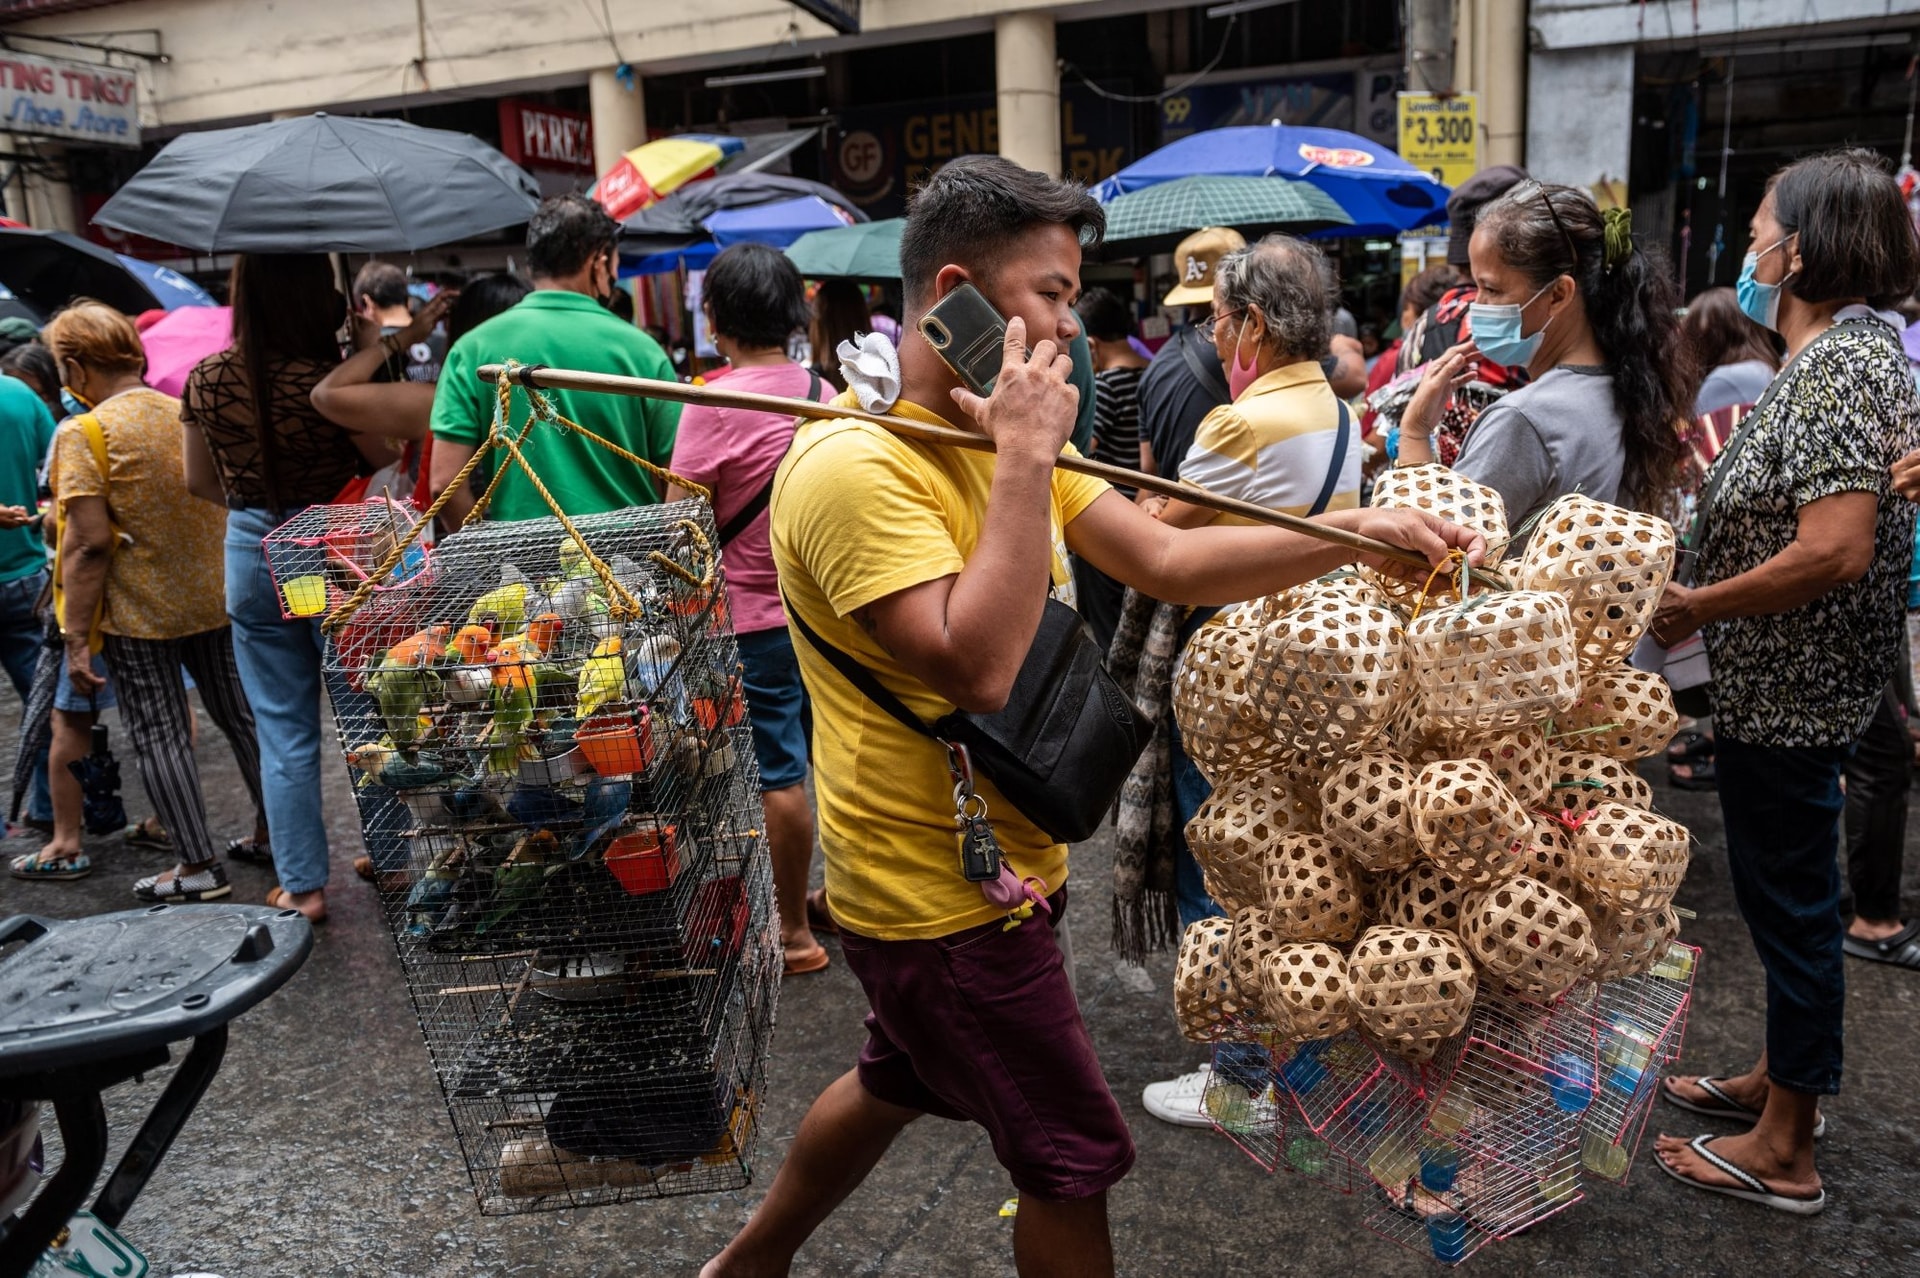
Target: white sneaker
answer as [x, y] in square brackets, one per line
[1180, 1100]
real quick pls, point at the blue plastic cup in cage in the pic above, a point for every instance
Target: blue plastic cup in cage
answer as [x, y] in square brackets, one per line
[1447, 1232]
[1303, 1072]
[1370, 1116]
[1439, 1167]
[1571, 1081]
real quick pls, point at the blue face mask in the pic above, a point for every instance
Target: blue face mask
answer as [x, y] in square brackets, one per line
[72, 403]
[1496, 331]
[1759, 302]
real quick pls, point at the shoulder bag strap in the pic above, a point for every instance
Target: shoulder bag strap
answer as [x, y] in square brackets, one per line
[1723, 464]
[854, 673]
[743, 518]
[1339, 462]
[1208, 376]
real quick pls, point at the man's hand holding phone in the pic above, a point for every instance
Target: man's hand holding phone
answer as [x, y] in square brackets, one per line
[1033, 406]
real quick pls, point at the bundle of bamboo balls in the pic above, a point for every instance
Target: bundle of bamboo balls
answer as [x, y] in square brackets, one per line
[1423, 792]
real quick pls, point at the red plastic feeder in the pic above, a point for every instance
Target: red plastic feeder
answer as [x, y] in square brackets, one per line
[646, 860]
[616, 745]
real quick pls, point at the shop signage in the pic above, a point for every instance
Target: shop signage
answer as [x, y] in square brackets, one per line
[542, 137]
[1441, 135]
[85, 102]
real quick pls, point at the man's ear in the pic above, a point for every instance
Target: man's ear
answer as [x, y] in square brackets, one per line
[948, 279]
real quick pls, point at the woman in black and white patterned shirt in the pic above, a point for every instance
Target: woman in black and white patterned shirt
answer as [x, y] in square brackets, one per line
[1801, 590]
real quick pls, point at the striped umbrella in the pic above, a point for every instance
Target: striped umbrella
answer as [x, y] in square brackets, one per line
[1155, 218]
[649, 172]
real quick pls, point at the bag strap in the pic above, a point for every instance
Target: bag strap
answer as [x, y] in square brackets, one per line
[1723, 465]
[743, 518]
[1339, 462]
[856, 674]
[1209, 377]
[96, 440]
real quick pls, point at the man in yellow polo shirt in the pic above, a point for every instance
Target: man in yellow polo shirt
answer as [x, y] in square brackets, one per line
[930, 568]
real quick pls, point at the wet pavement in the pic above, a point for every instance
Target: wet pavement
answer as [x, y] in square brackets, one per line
[324, 1149]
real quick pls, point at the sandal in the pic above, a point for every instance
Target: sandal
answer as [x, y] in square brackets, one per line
[139, 835]
[385, 880]
[815, 961]
[1721, 1105]
[59, 869]
[185, 884]
[1700, 774]
[1902, 949]
[1750, 1189]
[819, 918]
[249, 852]
[281, 899]
[1689, 746]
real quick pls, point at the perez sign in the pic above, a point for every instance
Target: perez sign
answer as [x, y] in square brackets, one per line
[54, 98]
[542, 137]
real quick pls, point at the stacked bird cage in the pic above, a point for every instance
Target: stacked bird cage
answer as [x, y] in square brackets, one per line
[548, 742]
[1452, 937]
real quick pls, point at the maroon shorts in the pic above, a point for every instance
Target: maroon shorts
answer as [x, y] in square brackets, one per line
[983, 1026]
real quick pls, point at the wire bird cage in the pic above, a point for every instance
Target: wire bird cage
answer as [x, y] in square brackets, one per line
[549, 748]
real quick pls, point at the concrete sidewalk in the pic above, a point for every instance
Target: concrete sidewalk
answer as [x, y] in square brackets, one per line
[324, 1148]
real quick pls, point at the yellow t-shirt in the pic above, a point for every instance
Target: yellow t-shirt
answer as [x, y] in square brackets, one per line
[167, 580]
[860, 514]
[1274, 445]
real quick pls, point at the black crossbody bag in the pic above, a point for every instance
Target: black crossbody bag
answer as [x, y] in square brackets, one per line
[1061, 747]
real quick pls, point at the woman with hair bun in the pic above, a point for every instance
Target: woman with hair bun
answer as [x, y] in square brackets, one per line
[1566, 294]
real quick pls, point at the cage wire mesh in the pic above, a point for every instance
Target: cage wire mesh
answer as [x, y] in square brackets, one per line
[556, 784]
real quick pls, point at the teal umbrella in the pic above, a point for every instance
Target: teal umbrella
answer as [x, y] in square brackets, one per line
[868, 251]
[1156, 218]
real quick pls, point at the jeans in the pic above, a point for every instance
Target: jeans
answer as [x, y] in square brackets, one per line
[1781, 806]
[1878, 776]
[280, 668]
[21, 629]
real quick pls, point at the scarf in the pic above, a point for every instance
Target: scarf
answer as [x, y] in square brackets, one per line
[1146, 836]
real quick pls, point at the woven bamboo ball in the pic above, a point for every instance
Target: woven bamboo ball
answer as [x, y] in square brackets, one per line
[1502, 661]
[1326, 675]
[1311, 892]
[1206, 1000]
[1623, 713]
[1423, 898]
[1254, 937]
[1519, 757]
[1549, 856]
[1630, 944]
[1411, 990]
[1213, 703]
[1611, 565]
[1584, 780]
[1447, 493]
[1232, 832]
[1366, 810]
[1467, 823]
[1305, 987]
[1632, 861]
[1531, 937]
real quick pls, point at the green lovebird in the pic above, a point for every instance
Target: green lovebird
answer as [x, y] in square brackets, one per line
[512, 716]
[519, 878]
[402, 692]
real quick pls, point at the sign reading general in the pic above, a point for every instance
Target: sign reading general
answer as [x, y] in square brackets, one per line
[51, 97]
[1441, 135]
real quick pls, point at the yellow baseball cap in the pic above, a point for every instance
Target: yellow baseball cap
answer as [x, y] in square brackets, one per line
[1196, 259]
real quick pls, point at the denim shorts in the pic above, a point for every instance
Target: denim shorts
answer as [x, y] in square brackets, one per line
[66, 697]
[777, 707]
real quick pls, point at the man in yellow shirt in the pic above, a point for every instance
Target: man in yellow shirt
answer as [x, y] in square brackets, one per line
[931, 568]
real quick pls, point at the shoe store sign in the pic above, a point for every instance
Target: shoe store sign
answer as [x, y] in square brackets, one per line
[83, 102]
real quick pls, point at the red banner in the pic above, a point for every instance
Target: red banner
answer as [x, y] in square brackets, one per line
[541, 137]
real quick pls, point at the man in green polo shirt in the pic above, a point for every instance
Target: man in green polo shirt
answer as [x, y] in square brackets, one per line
[571, 254]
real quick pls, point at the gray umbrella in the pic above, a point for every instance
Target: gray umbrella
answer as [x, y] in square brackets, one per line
[322, 183]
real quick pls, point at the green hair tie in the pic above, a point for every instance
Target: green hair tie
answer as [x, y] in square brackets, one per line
[1616, 234]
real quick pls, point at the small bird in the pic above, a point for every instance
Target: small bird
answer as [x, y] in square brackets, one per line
[506, 735]
[522, 652]
[470, 644]
[519, 878]
[503, 609]
[402, 692]
[650, 665]
[418, 650]
[603, 677]
[468, 686]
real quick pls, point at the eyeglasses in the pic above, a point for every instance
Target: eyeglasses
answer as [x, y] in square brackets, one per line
[1206, 325]
[1560, 226]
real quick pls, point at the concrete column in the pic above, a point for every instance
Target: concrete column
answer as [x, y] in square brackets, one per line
[1026, 71]
[1580, 114]
[619, 117]
[1501, 45]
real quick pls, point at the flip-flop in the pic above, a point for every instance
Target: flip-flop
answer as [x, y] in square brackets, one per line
[1701, 774]
[138, 836]
[52, 870]
[249, 852]
[1902, 949]
[1751, 1188]
[819, 918]
[1723, 1105]
[1689, 746]
[280, 899]
[814, 962]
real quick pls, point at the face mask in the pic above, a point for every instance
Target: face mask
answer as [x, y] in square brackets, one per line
[73, 403]
[1496, 331]
[1759, 302]
[1241, 376]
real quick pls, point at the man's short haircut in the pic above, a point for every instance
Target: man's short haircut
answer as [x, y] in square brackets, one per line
[1104, 315]
[384, 282]
[755, 296]
[969, 211]
[1286, 279]
[565, 233]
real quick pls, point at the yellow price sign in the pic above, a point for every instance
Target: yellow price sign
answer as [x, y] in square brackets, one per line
[1441, 135]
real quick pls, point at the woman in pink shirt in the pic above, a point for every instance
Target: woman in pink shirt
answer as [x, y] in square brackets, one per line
[754, 301]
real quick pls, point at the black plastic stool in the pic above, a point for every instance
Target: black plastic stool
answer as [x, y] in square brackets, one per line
[90, 1003]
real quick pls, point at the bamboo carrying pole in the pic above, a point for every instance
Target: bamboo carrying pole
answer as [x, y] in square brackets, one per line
[540, 377]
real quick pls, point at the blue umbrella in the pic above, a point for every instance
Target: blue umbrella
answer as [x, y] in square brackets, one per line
[171, 288]
[779, 223]
[694, 257]
[1381, 192]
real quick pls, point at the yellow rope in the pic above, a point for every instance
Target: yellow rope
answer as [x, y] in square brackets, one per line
[1455, 558]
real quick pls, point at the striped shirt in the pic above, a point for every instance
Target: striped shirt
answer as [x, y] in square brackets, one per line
[1274, 445]
[1116, 417]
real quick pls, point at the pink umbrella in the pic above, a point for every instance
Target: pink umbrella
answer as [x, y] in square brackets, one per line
[180, 339]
